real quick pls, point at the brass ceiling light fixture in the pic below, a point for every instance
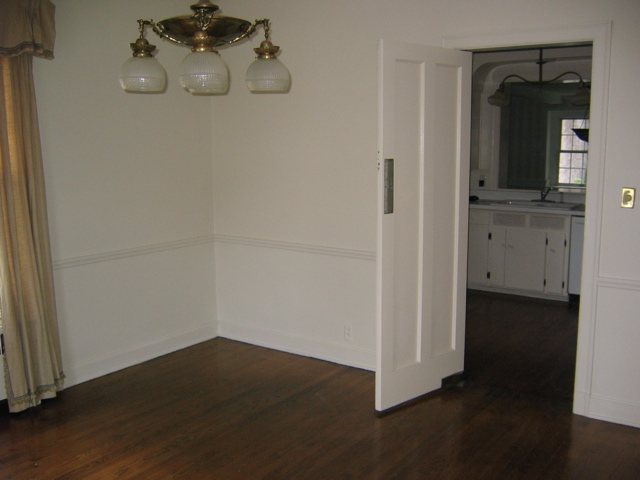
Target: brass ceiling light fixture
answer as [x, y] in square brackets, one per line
[203, 72]
[581, 97]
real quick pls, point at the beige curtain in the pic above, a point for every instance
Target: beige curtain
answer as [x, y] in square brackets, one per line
[33, 367]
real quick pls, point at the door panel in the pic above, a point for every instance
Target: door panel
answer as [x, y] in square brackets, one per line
[422, 245]
[407, 213]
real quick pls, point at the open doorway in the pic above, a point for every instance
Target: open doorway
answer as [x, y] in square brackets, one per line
[599, 35]
[529, 163]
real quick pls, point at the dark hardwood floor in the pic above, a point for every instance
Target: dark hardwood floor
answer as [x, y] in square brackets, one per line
[227, 410]
[520, 344]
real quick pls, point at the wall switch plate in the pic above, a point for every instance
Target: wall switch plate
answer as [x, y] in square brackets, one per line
[628, 197]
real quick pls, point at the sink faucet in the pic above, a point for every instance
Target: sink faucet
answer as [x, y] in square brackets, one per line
[543, 194]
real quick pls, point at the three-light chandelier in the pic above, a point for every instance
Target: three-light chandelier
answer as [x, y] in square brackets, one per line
[203, 72]
[582, 96]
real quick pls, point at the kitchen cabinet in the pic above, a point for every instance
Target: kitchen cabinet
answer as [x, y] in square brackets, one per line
[519, 252]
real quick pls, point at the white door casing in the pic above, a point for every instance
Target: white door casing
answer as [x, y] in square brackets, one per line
[424, 122]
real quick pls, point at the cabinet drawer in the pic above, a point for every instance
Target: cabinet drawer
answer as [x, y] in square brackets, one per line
[479, 217]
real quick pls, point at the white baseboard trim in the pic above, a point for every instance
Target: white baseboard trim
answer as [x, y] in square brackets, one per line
[614, 411]
[120, 359]
[342, 354]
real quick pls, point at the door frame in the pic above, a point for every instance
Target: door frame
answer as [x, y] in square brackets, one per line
[600, 36]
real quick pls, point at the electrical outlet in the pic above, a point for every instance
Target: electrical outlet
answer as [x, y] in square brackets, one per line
[348, 333]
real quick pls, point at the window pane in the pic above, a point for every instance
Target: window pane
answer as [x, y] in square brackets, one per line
[564, 175]
[577, 176]
[576, 160]
[578, 144]
[567, 125]
[566, 142]
[565, 160]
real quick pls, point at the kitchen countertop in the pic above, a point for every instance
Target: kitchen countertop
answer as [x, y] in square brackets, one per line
[521, 206]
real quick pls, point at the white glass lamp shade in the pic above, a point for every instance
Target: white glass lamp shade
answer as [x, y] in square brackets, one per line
[268, 75]
[204, 73]
[142, 74]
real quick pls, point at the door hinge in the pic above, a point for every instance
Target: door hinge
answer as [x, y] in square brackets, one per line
[489, 235]
[545, 282]
[565, 242]
[388, 185]
[488, 274]
[546, 241]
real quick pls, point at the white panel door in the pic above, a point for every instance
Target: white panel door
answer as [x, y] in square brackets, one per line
[425, 101]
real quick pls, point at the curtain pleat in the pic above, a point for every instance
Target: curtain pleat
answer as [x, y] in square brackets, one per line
[33, 365]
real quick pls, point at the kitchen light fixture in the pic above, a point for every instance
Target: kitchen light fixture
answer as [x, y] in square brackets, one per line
[581, 97]
[203, 71]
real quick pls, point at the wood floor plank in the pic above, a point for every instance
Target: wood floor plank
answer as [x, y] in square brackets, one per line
[227, 410]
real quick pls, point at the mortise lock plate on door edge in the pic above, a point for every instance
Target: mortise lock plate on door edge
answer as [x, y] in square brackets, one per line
[388, 185]
[628, 197]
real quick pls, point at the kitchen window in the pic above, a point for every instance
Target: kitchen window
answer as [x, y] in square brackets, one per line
[572, 160]
[567, 153]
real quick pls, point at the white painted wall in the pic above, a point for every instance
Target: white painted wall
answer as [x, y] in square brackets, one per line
[300, 169]
[129, 192]
[304, 168]
[291, 178]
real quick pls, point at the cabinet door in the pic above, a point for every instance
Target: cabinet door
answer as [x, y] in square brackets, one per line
[555, 281]
[497, 245]
[525, 259]
[478, 263]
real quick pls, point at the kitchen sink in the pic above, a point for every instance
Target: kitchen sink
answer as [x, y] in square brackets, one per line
[534, 204]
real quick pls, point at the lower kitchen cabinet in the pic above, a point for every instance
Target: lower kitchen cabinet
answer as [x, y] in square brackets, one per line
[519, 252]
